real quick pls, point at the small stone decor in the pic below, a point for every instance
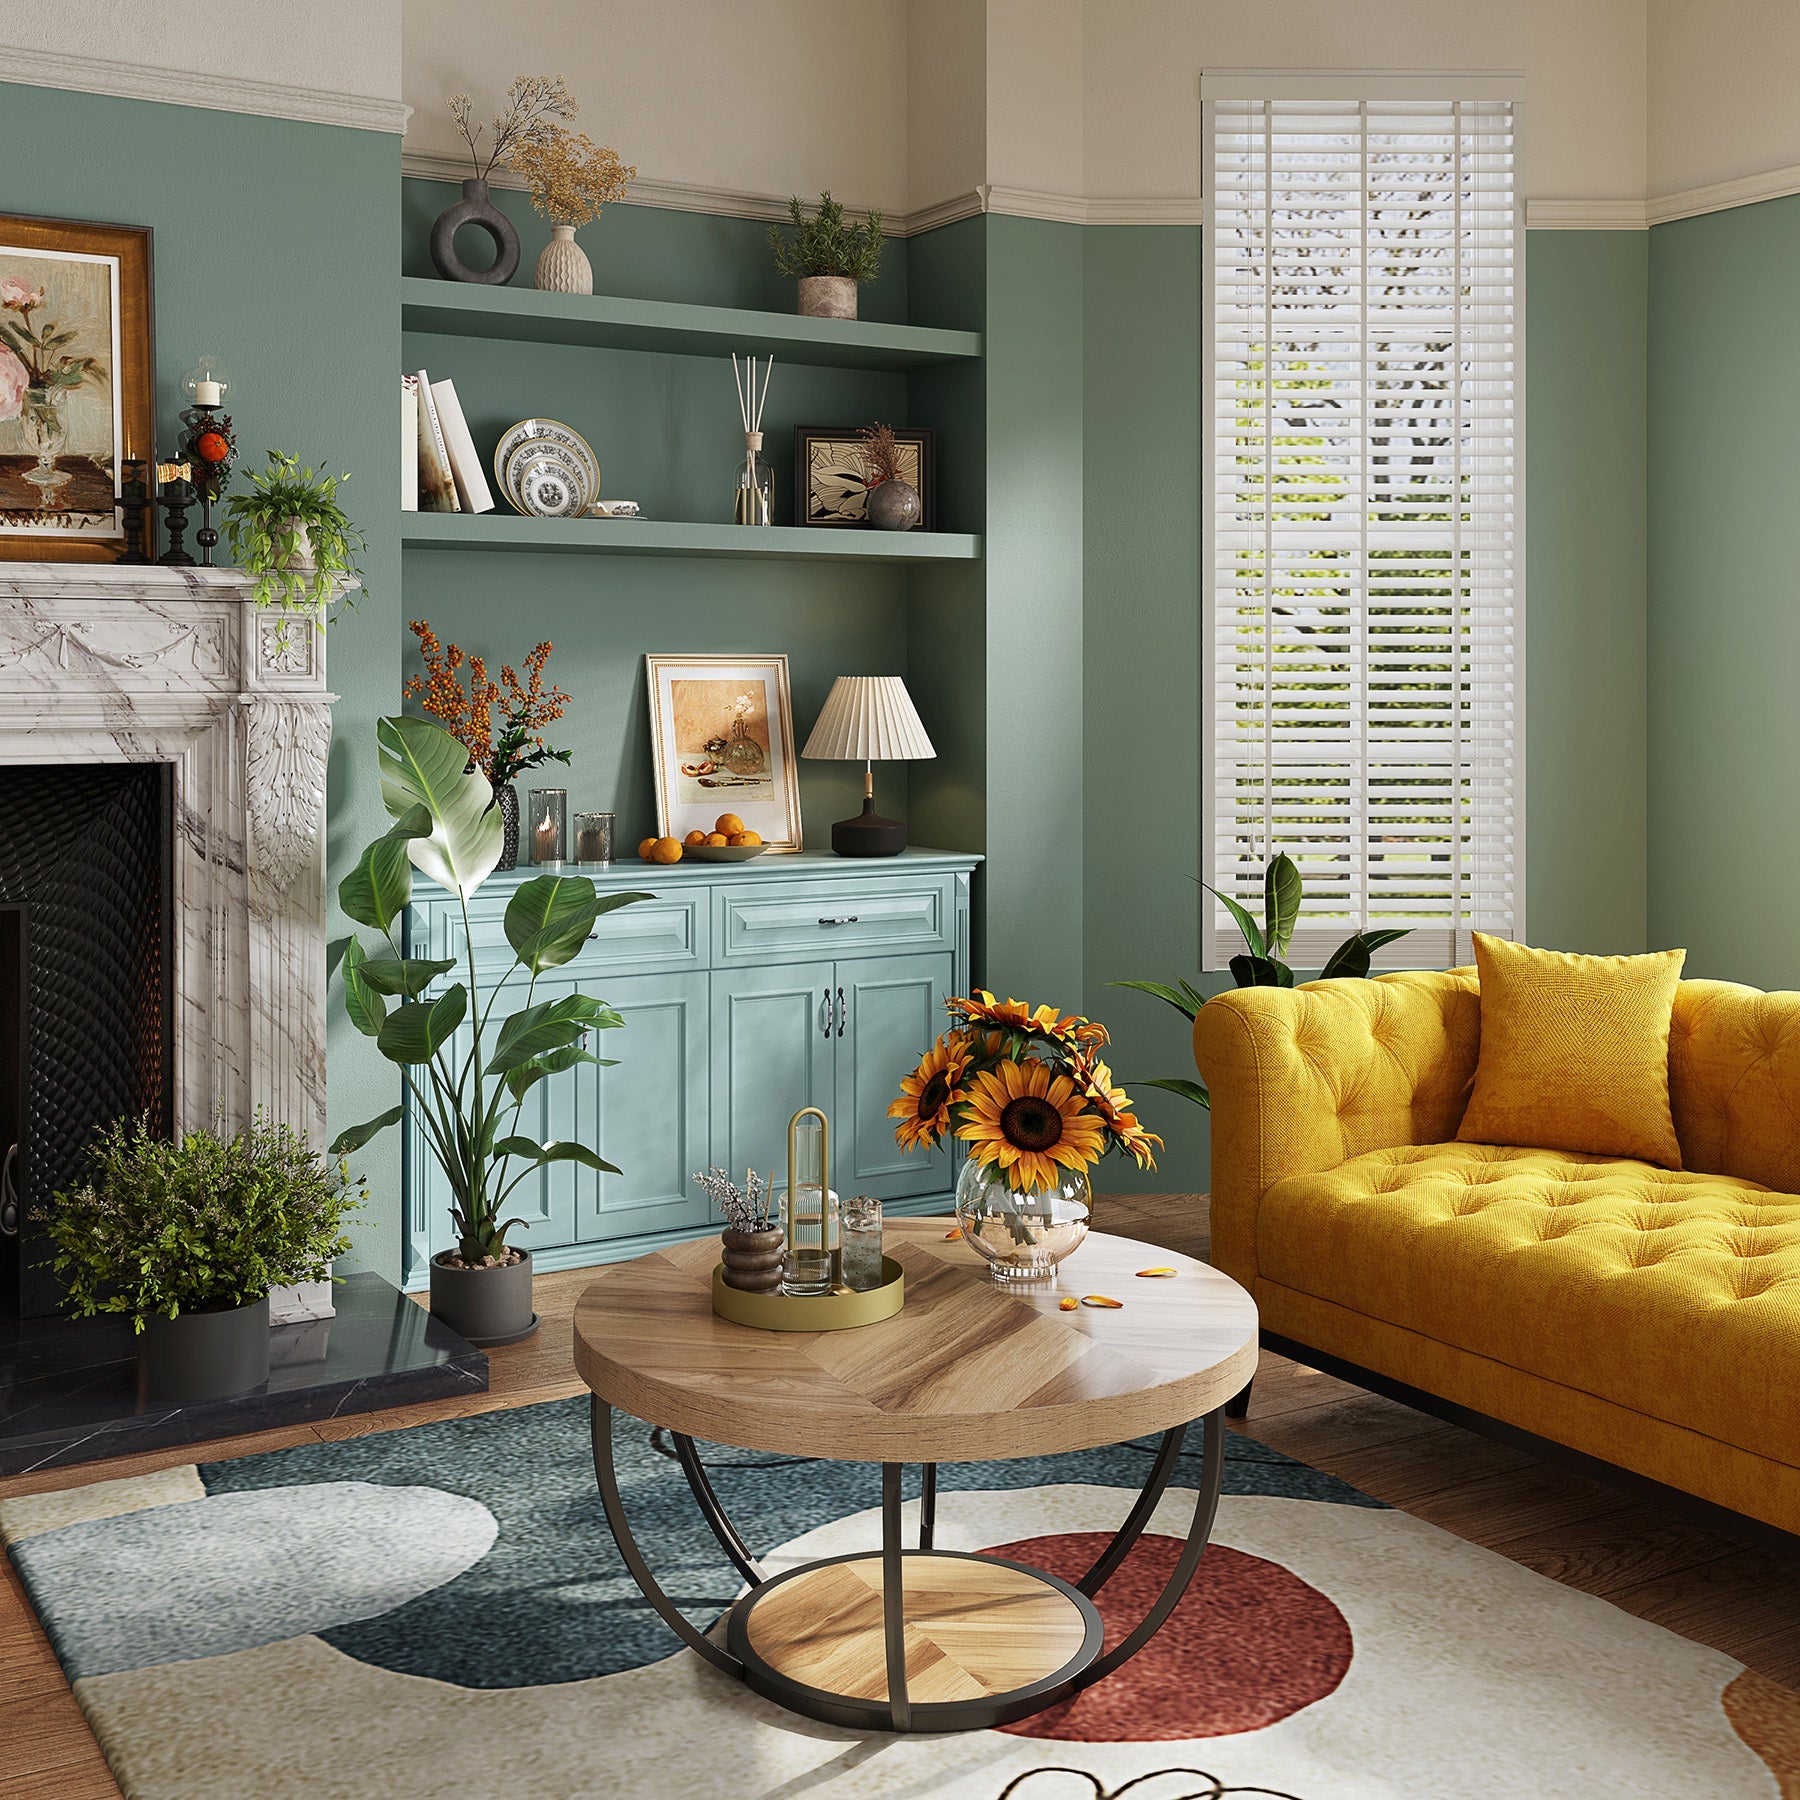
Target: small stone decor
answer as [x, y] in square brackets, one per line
[475, 208]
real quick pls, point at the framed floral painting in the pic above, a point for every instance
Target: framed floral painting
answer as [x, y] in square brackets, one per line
[77, 384]
[722, 731]
[831, 478]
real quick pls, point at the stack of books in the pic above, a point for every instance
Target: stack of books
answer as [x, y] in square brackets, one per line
[439, 470]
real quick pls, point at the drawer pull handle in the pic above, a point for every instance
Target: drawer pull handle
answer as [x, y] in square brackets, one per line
[849, 920]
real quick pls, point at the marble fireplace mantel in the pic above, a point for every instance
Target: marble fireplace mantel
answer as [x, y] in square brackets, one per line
[101, 663]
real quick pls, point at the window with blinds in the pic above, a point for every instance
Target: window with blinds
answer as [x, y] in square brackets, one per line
[1363, 610]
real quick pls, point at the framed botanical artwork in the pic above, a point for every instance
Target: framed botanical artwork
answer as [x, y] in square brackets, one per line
[722, 729]
[77, 384]
[831, 480]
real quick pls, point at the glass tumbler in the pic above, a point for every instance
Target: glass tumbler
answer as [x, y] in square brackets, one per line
[549, 827]
[593, 839]
[860, 1243]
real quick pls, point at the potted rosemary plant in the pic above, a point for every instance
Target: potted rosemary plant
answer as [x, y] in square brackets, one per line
[189, 1235]
[828, 256]
[290, 533]
[466, 1072]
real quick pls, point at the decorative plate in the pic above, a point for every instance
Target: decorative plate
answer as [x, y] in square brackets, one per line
[535, 454]
[550, 434]
[722, 852]
[548, 491]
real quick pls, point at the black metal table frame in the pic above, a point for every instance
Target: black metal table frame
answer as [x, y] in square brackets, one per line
[897, 1713]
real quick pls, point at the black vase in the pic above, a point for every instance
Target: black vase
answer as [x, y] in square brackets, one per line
[475, 208]
[506, 797]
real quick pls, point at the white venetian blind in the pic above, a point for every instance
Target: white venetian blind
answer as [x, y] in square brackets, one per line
[1362, 580]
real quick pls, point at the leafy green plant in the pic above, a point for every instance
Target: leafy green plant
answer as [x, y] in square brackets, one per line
[198, 1223]
[468, 1093]
[264, 530]
[825, 245]
[1260, 964]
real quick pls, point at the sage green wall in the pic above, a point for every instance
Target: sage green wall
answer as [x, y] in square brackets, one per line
[1724, 850]
[274, 249]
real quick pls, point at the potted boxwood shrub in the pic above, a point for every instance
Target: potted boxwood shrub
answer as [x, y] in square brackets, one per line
[828, 256]
[290, 533]
[189, 1235]
[467, 1072]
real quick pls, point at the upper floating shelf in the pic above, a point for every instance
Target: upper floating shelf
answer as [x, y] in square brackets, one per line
[672, 537]
[603, 321]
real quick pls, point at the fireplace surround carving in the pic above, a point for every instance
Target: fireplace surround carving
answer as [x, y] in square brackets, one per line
[107, 664]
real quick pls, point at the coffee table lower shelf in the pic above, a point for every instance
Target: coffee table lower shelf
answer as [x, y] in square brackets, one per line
[918, 1639]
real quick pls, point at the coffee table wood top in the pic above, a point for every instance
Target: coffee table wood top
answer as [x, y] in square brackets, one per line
[966, 1370]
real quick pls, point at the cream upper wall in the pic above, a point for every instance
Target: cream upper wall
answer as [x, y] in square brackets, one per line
[1723, 79]
[946, 100]
[1036, 110]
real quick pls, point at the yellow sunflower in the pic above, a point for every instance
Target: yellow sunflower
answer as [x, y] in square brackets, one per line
[1093, 1081]
[928, 1093]
[981, 1008]
[1025, 1119]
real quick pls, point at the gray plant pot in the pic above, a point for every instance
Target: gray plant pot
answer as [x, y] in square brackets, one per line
[894, 506]
[484, 1306]
[204, 1355]
[827, 297]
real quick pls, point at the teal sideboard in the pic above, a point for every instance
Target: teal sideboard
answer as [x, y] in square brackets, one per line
[748, 990]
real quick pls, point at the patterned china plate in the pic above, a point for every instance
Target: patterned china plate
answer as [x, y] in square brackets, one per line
[548, 490]
[546, 435]
[538, 450]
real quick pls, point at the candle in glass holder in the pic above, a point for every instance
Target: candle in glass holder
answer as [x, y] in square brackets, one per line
[549, 823]
[594, 838]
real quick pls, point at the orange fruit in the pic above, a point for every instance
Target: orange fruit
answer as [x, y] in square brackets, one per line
[645, 847]
[747, 837]
[716, 838]
[728, 823]
[666, 850]
[695, 837]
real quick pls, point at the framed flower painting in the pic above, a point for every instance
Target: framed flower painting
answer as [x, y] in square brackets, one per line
[722, 729]
[77, 384]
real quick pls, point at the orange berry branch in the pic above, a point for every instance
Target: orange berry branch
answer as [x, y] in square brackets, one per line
[525, 707]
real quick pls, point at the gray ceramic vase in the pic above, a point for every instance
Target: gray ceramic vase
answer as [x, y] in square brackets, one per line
[484, 1307]
[204, 1355]
[894, 506]
[475, 208]
[506, 797]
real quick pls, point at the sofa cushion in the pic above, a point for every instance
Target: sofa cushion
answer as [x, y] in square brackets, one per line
[1574, 1051]
[1677, 1295]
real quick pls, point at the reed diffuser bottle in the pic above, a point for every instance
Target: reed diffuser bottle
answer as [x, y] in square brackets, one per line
[755, 500]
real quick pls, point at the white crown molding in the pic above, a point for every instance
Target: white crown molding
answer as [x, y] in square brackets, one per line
[1718, 196]
[217, 93]
[1585, 215]
[970, 205]
[1145, 209]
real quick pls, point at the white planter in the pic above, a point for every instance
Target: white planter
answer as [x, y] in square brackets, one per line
[563, 268]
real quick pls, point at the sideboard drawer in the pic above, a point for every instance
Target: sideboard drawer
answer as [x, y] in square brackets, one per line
[660, 933]
[756, 923]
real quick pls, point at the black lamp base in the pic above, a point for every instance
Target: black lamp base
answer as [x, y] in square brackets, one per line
[868, 834]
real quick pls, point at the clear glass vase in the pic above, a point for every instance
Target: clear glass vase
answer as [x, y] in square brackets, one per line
[1022, 1235]
[755, 485]
[46, 433]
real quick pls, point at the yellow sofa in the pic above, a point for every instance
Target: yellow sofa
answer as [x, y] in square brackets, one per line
[1646, 1318]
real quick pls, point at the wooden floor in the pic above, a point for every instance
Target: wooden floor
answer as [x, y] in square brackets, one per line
[1648, 1561]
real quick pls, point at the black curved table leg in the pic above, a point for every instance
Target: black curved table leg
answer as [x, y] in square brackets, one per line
[633, 1558]
[928, 1507]
[1206, 1507]
[1106, 1565]
[722, 1527]
[893, 1597]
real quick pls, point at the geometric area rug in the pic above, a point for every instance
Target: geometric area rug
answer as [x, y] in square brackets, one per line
[439, 1613]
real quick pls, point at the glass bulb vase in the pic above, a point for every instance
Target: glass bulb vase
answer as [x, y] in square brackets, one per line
[1022, 1235]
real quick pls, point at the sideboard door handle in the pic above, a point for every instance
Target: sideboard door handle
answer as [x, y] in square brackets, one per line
[842, 1011]
[825, 1014]
[851, 920]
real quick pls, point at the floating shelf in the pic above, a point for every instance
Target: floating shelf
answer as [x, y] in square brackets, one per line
[665, 537]
[603, 321]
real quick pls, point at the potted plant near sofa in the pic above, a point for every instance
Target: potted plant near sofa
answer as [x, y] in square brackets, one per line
[188, 1235]
[468, 1085]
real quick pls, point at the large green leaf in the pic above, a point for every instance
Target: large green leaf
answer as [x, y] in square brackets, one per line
[1281, 903]
[548, 919]
[416, 1032]
[367, 1009]
[376, 891]
[408, 976]
[522, 1079]
[423, 765]
[563, 1151]
[1188, 1090]
[1170, 996]
[347, 1142]
[550, 1025]
[1245, 923]
[1261, 971]
[1351, 958]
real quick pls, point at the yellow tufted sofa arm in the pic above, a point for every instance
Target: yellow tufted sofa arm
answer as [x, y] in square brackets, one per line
[1303, 1078]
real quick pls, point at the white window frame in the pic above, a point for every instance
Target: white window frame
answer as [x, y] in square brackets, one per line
[1218, 935]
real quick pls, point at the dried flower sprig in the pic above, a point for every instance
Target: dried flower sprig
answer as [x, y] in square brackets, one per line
[747, 1208]
[526, 707]
[533, 104]
[880, 454]
[570, 176]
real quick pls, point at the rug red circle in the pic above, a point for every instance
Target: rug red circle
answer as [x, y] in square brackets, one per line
[1249, 1644]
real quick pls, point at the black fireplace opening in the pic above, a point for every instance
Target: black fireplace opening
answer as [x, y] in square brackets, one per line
[86, 985]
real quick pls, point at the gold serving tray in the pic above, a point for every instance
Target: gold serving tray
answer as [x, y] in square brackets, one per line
[842, 1310]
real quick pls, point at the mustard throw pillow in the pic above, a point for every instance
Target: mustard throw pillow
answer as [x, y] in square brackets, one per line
[1574, 1052]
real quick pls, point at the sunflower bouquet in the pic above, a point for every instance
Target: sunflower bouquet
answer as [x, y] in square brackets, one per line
[1025, 1088]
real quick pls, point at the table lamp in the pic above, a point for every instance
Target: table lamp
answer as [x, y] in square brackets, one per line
[868, 719]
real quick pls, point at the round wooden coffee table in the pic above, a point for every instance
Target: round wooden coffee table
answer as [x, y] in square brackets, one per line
[922, 1639]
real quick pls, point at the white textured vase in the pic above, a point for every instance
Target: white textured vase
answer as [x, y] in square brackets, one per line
[563, 267]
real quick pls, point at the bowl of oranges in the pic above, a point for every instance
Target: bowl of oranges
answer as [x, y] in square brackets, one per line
[730, 840]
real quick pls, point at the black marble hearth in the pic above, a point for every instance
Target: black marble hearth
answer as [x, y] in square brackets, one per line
[68, 1388]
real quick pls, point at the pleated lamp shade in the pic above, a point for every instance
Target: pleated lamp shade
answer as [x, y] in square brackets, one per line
[869, 718]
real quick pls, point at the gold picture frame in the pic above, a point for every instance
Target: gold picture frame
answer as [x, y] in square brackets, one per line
[722, 736]
[77, 384]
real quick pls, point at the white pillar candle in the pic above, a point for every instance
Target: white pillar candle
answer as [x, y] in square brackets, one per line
[208, 393]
